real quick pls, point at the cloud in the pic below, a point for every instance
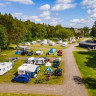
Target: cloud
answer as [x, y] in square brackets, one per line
[57, 14]
[89, 11]
[89, 3]
[63, 5]
[56, 21]
[75, 20]
[45, 15]
[32, 18]
[4, 4]
[64, 1]
[17, 14]
[26, 2]
[45, 7]
[93, 15]
[80, 23]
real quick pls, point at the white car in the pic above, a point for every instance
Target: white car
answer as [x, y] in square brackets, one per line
[64, 44]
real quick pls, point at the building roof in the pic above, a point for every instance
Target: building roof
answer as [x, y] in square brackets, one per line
[87, 43]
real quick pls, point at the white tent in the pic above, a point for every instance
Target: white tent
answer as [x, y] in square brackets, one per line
[40, 61]
[48, 64]
[5, 67]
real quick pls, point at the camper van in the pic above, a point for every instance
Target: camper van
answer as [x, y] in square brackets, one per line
[5, 67]
[29, 69]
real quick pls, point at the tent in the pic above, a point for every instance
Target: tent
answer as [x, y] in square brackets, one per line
[55, 54]
[40, 61]
[52, 50]
[49, 69]
[48, 64]
[18, 52]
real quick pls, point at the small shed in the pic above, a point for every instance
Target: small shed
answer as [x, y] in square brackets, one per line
[40, 61]
[29, 69]
[18, 52]
[5, 67]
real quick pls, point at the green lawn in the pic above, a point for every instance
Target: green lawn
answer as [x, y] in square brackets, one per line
[14, 94]
[80, 48]
[86, 62]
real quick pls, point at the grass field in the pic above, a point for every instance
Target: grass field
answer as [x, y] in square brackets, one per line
[14, 94]
[13, 71]
[86, 62]
[80, 48]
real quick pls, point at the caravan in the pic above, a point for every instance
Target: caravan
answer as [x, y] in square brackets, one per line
[5, 67]
[29, 69]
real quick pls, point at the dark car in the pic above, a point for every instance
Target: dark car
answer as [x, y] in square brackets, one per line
[60, 53]
[30, 53]
[14, 59]
[24, 52]
[56, 64]
[21, 78]
[58, 72]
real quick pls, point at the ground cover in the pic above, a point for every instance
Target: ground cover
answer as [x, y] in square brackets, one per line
[86, 62]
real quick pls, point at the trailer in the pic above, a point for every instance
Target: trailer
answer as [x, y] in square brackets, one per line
[29, 69]
[5, 67]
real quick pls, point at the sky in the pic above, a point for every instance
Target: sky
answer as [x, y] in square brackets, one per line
[68, 13]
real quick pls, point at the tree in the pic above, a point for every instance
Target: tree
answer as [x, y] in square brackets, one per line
[86, 31]
[3, 37]
[93, 32]
[64, 33]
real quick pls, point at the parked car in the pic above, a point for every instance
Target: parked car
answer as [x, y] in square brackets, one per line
[14, 59]
[56, 64]
[21, 78]
[58, 72]
[24, 52]
[30, 53]
[60, 53]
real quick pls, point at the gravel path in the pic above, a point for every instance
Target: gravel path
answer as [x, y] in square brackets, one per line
[72, 86]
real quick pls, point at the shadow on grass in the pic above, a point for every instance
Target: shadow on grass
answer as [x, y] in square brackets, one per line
[91, 58]
[90, 83]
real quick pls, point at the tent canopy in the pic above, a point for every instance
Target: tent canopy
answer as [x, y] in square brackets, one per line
[18, 52]
[48, 64]
[49, 69]
[52, 50]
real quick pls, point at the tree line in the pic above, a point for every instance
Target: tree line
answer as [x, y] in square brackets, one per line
[15, 31]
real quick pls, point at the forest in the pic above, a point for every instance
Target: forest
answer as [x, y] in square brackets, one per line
[14, 31]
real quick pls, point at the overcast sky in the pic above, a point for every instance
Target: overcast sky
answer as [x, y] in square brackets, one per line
[68, 13]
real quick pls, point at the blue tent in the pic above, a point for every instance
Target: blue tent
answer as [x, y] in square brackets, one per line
[18, 52]
[49, 69]
[52, 50]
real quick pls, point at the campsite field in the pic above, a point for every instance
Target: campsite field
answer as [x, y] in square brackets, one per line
[13, 71]
[86, 62]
